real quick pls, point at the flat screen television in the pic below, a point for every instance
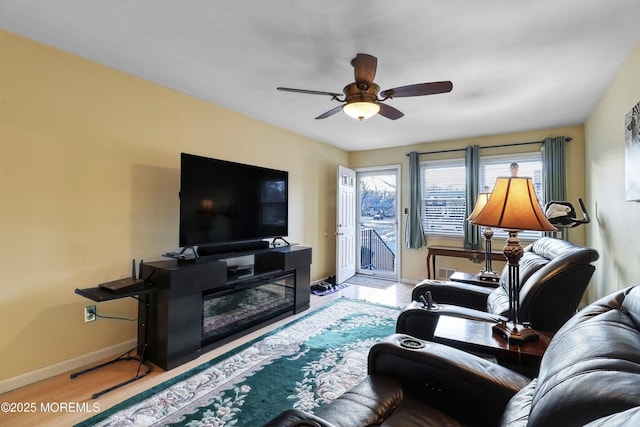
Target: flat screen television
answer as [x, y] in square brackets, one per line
[223, 203]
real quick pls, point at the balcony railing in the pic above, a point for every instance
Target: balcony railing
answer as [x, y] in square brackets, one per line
[375, 254]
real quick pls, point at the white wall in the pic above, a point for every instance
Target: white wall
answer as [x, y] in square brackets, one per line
[615, 229]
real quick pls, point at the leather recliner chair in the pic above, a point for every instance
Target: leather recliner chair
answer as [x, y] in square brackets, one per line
[554, 275]
[589, 376]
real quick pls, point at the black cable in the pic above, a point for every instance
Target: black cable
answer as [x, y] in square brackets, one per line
[116, 318]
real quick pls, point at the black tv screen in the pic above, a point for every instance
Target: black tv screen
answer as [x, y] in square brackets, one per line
[224, 202]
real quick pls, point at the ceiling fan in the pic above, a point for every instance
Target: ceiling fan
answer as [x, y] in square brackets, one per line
[363, 99]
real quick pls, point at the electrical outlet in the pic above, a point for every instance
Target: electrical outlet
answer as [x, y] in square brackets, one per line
[89, 313]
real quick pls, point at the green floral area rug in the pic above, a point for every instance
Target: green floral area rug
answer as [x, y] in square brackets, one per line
[305, 364]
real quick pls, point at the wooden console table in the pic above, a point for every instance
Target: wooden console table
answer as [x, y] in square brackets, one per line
[451, 251]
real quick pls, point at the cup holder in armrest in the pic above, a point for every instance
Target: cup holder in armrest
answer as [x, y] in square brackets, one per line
[411, 343]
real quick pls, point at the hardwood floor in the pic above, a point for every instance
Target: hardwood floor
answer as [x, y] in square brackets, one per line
[62, 401]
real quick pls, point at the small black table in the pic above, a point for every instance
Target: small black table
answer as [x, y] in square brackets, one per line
[141, 294]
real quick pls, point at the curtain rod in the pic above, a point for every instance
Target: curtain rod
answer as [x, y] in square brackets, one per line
[567, 139]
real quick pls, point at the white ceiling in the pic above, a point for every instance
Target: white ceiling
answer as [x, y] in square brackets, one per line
[515, 65]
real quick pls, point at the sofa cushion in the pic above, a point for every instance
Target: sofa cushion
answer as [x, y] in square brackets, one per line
[631, 307]
[297, 418]
[413, 412]
[367, 403]
[379, 401]
[516, 414]
[630, 417]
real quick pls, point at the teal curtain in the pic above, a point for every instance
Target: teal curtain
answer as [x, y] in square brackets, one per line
[472, 166]
[414, 237]
[554, 175]
[553, 169]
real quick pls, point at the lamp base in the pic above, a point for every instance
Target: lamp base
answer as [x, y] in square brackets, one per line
[489, 276]
[516, 335]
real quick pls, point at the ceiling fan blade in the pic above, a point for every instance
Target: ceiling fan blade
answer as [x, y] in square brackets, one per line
[330, 112]
[311, 92]
[418, 89]
[389, 112]
[364, 69]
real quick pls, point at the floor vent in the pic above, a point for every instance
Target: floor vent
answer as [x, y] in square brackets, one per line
[445, 273]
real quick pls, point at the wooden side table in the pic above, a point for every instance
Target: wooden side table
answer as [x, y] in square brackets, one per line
[476, 336]
[472, 279]
[451, 251]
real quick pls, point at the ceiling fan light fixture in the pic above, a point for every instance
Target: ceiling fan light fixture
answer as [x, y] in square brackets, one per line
[361, 110]
[361, 99]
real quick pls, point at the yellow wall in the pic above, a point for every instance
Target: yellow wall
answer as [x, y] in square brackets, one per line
[90, 178]
[614, 229]
[413, 260]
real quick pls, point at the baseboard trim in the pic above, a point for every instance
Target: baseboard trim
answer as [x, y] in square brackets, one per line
[66, 366]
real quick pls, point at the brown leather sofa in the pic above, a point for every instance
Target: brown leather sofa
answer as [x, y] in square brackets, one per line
[554, 275]
[589, 376]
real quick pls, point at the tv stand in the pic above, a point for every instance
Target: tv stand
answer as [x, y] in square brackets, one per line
[187, 292]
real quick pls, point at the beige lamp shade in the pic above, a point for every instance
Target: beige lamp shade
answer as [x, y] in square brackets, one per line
[513, 205]
[480, 204]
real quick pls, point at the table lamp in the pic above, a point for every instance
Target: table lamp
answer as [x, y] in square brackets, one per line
[513, 206]
[488, 273]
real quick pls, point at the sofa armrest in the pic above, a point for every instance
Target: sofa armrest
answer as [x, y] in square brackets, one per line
[457, 293]
[447, 377]
[297, 418]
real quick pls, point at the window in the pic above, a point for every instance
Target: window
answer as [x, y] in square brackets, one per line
[443, 206]
[443, 186]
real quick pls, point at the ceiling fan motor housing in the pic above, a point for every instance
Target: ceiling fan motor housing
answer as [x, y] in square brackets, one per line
[361, 100]
[353, 93]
